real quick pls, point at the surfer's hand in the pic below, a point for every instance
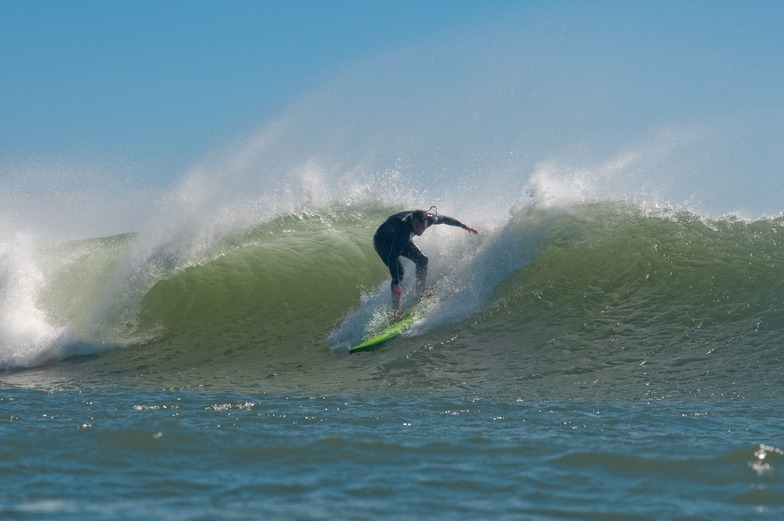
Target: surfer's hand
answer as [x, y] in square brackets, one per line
[472, 230]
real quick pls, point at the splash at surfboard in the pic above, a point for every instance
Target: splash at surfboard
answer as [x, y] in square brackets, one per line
[391, 330]
[378, 333]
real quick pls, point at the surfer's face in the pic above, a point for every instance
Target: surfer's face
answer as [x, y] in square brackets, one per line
[419, 226]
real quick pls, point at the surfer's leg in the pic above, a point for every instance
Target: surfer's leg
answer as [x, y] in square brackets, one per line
[397, 266]
[382, 247]
[412, 252]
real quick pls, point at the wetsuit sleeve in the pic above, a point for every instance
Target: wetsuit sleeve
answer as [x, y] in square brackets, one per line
[443, 219]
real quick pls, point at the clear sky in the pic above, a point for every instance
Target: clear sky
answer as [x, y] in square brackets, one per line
[687, 94]
[150, 78]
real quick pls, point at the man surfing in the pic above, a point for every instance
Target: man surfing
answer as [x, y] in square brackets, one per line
[393, 240]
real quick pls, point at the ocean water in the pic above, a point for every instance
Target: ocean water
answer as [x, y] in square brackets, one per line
[599, 361]
[609, 347]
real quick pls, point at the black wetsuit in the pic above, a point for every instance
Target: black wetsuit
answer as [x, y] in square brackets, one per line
[393, 239]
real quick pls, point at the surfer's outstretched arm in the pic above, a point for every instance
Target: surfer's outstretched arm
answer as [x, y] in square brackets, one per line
[451, 221]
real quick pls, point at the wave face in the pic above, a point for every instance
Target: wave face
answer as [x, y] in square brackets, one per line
[588, 299]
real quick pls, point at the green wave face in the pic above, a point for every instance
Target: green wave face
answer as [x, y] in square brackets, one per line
[597, 298]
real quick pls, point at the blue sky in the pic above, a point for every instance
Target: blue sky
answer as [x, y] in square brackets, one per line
[172, 78]
[683, 100]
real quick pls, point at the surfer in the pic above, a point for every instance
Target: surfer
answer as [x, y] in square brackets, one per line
[393, 240]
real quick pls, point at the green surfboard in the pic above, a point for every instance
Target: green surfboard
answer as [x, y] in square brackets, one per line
[390, 331]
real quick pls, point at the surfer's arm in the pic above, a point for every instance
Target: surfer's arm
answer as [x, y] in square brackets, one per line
[451, 221]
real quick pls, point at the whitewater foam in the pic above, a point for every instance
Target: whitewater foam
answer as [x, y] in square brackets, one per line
[27, 337]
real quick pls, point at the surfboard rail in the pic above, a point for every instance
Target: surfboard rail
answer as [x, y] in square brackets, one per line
[387, 333]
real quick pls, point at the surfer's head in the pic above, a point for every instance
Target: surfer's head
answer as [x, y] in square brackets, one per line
[420, 221]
